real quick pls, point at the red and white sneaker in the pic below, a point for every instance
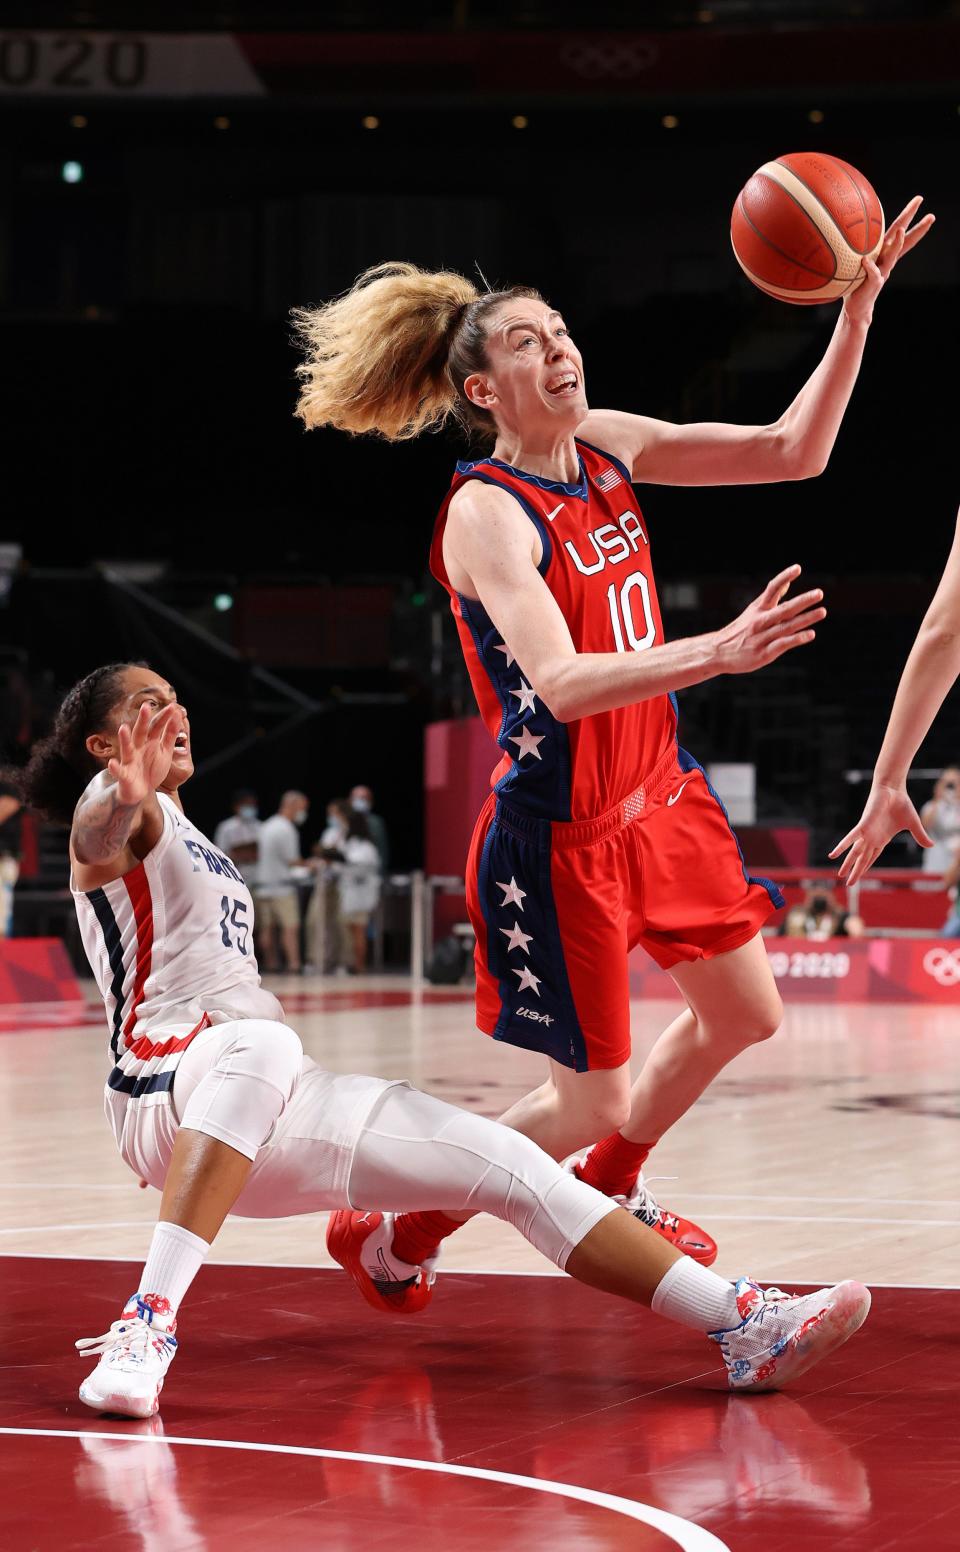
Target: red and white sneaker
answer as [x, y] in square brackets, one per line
[362, 1243]
[137, 1352]
[781, 1335]
[677, 1231]
[684, 1234]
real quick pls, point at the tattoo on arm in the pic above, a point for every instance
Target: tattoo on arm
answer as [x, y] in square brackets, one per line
[102, 826]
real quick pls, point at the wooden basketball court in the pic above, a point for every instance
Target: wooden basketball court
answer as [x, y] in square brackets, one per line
[521, 1410]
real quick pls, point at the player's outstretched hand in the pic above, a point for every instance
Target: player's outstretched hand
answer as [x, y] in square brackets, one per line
[146, 749]
[888, 811]
[769, 627]
[900, 238]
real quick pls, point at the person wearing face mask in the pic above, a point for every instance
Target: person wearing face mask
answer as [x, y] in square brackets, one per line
[278, 909]
[326, 948]
[941, 817]
[239, 835]
[361, 801]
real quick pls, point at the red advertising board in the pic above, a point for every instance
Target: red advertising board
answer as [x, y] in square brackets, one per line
[37, 984]
[841, 970]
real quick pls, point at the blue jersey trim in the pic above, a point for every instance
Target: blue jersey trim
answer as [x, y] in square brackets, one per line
[602, 453]
[546, 543]
[546, 789]
[579, 489]
[111, 939]
[467, 606]
[687, 762]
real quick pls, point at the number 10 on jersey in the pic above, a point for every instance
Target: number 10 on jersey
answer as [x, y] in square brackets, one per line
[621, 613]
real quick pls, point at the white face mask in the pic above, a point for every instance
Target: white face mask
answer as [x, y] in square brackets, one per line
[301, 818]
[248, 811]
[361, 805]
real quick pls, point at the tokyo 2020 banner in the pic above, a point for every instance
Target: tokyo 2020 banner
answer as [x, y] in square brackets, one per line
[841, 970]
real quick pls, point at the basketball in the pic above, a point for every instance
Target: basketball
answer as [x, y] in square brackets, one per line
[803, 224]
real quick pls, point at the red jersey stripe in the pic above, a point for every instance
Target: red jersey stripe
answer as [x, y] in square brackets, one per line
[146, 1049]
[138, 889]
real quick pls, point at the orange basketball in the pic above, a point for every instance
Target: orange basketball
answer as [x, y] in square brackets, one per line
[802, 225]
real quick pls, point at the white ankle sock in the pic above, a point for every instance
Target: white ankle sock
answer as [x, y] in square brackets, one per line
[696, 1297]
[174, 1259]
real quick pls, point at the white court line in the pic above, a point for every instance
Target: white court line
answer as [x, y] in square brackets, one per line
[827, 1218]
[64, 1185]
[449, 1271]
[700, 1196]
[828, 1201]
[822, 1218]
[690, 1537]
[62, 1228]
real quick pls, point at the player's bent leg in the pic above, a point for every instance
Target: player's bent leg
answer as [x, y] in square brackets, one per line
[571, 1109]
[732, 1002]
[418, 1153]
[416, 1148]
[232, 1085]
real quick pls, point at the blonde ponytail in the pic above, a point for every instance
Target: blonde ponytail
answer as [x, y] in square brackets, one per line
[376, 357]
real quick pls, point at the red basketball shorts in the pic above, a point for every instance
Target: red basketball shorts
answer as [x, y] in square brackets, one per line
[557, 907]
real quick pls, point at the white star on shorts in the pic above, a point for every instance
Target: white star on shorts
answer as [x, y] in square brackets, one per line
[518, 938]
[512, 894]
[528, 743]
[528, 981]
[526, 697]
[501, 646]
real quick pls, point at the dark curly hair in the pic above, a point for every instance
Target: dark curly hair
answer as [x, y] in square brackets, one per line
[60, 765]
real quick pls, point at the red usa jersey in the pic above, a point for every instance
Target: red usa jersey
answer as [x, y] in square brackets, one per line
[596, 563]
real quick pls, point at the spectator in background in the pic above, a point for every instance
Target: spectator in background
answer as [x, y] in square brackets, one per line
[820, 916]
[951, 878]
[326, 895]
[10, 806]
[277, 905]
[238, 837]
[941, 819]
[361, 801]
[359, 879]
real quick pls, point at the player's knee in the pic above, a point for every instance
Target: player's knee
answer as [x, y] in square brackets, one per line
[271, 1052]
[766, 1019]
[605, 1113]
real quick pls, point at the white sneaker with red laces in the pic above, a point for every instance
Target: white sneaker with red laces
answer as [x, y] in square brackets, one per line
[781, 1335]
[136, 1353]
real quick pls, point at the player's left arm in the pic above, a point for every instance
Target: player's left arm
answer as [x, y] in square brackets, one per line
[795, 447]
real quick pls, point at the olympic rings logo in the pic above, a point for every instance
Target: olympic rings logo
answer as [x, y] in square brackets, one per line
[610, 58]
[943, 964]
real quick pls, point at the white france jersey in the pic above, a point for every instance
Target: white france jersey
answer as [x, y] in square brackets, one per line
[171, 947]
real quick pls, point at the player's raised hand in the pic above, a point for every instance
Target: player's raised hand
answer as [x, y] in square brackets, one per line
[146, 749]
[887, 812]
[900, 238]
[770, 626]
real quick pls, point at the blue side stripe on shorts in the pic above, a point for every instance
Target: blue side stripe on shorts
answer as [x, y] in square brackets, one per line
[543, 1019]
[688, 762]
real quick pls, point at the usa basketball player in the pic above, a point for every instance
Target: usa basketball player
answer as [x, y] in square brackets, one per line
[600, 832]
[930, 672]
[212, 1101]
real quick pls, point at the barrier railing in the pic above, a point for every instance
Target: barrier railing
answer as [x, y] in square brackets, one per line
[892, 902]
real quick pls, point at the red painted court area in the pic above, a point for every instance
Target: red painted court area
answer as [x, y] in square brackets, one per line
[505, 1378]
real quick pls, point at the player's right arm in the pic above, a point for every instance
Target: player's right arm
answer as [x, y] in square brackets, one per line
[931, 670]
[491, 552]
[119, 820]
